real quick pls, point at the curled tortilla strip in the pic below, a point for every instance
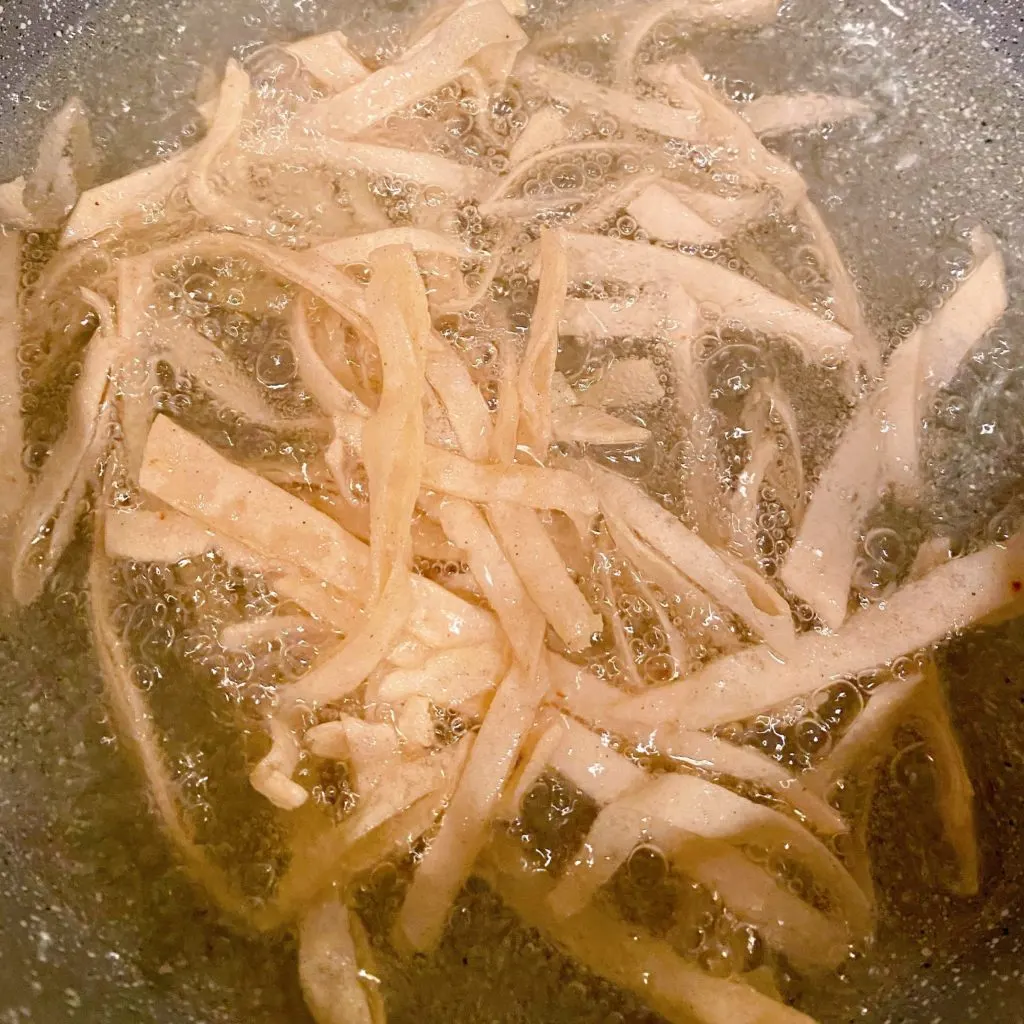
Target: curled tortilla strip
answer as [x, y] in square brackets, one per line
[584, 425]
[135, 723]
[642, 20]
[649, 967]
[702, 752]
[335, 967]
[68, 457]
[538, 364]
[273, 775]
[809, 939]
[685, 84]
[65, 164]
[331, 395]
[779, 115]
[918, 700]
[328, 57]
[448, 678]
[674, 314]
[536, 560]
[231, 106]
[466, 823]
[638, 264]
[664, 215]
[919, 614]
[669, 809]
[480, 34]
[711, 570]
[13, 479]
[650, 115]
[108, 206]
[353, 249]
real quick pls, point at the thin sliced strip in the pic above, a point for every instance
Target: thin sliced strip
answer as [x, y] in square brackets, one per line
[108, 206]
[370, 749]
[672, 315]
[650, 115]
[669, 809]
[809, 939]
[536, 560]
[331, 395]
[538, 364]
[929, 359]
[344, 669]
[583, 758]
[135, 723]
[14, 214]
[268, 629]
[781, 114]
[198, 481]
[649, 967]
[466, 823]
[48, 493]
[579, 692]
[919, 614]
[640, 265]
[449, 473]
[481, 30]
[819, 566]
[584, 425]
[333, 971]
[663, 215]
[711, 570]
[373, 159]
[700, 751]
[353, 249]
[231, 105]
[448, 678]
[520, 618]
[641, 21]
[13, 479]
[329, 58]
[466, 407]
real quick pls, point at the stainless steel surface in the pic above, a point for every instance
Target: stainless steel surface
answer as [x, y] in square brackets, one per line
[81, 938]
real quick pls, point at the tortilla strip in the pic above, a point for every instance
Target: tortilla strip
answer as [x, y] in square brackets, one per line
[639, 264]
[919, 614]
[649, 967]
[481, 31]
[536, 560]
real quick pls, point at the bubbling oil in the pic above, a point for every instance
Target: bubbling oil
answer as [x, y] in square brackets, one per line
[209, 699]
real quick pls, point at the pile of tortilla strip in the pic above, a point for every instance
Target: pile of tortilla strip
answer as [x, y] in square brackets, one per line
[447, 229]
